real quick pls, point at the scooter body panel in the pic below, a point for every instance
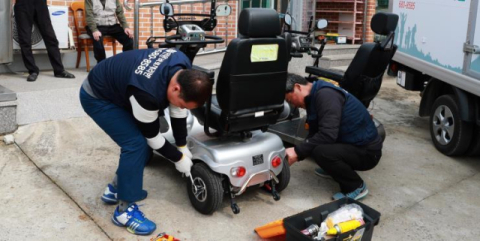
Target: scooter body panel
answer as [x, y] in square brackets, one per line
[255, 154]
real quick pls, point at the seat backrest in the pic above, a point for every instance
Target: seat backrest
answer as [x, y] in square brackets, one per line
[363, 77]
[79, 19]
[251, 82]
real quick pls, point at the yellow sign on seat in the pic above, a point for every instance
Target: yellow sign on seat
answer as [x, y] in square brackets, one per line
[264, 53]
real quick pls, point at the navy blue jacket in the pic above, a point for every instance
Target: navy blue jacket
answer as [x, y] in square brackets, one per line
[149, 70]
[335, 118]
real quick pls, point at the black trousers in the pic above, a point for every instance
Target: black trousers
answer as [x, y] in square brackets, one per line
[117, 32]
[342, 160]
[28, 12]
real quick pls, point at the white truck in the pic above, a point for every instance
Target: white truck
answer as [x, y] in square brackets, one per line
[439, 55]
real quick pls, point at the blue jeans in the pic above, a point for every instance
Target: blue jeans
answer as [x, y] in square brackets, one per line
[120, 125]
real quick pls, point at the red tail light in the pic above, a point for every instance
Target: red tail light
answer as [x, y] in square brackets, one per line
[238, 171]
[276, 161]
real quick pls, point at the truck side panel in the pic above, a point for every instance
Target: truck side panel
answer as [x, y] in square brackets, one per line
[430, 38]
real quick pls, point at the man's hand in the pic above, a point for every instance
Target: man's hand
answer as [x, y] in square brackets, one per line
[97, 35]
[129, 32]
[291, 155]
[184, 165]
[185, 151]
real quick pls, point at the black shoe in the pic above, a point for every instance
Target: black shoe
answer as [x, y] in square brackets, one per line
[32, 77]
[65, 75]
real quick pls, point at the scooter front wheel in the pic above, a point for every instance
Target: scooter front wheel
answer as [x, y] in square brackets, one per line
[283, 177]
[206, 191]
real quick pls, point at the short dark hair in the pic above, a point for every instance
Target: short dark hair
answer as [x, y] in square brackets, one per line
[195, 86]
[293, 79]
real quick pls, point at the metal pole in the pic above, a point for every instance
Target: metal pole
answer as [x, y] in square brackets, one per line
[135, 19]
[314, 23]
[203, 11]
[153, 4]
[151, 21]
[226, 29]
[364, 29]
[148, 4]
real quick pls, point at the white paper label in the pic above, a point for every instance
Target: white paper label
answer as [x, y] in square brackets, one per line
[401, 78]
[259, 114]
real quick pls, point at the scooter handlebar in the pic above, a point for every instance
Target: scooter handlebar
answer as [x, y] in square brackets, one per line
[297, 32]
[177, 39]
[296, 55]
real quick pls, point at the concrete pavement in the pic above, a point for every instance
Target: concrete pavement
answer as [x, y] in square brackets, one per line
[421, 193]
[51, 98]
[34, 207]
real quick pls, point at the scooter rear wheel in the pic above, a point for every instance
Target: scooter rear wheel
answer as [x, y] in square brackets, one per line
[208, 195]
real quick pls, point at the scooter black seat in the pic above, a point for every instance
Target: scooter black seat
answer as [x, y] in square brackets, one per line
[215, 112]
[250, 88]
[364, 75]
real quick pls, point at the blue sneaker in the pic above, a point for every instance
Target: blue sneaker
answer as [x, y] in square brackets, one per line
[358, 194]
[321, 173]
[134, 220]
[110, 195]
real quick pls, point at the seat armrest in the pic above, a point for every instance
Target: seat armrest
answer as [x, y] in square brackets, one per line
[321, 72]
[210, 73]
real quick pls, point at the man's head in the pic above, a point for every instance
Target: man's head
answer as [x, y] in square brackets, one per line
[189, 89]
[297, 89]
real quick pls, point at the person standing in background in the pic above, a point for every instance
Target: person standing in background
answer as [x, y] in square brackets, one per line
[28, 12]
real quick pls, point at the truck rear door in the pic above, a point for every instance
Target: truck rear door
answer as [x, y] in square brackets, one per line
[472, 44]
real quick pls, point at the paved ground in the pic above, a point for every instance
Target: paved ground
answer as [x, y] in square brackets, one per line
[51, 180]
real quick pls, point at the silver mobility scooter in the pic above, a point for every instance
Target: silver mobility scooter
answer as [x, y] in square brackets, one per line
[233, 151]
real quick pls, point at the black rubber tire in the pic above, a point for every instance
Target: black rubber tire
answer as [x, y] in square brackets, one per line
[460, 141]
[214, 189]
[380, 129]
[474, 149]
[283, 177]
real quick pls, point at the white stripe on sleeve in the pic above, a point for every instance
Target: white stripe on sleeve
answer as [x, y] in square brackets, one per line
[157, 142]
[141, 114]
[177, 112]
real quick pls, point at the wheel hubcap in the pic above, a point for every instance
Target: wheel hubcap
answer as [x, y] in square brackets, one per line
[443, 125]
[199, 189]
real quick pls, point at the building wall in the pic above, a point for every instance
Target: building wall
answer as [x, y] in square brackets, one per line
[224, 23]
[369, 4]
[308, 11]
[371, 9]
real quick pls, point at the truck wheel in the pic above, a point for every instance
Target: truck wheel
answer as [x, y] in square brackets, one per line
[209, 193]
[474, 149]
[283, 177]
[450, 135]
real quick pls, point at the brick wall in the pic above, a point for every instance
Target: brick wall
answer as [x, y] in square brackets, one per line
[371, 5]
[224, 23]
[307, 12]
[348, 6]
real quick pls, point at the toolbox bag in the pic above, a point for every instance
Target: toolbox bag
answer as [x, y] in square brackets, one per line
[294, 224]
